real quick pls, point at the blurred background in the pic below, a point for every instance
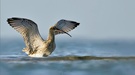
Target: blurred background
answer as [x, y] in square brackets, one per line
[107, 29]
[99, 19]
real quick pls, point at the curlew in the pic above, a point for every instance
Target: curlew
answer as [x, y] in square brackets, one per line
[36, 46]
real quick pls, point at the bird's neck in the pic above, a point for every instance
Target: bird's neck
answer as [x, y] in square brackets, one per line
[51, 36]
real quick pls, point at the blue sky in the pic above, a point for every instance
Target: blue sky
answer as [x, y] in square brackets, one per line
[99, 19]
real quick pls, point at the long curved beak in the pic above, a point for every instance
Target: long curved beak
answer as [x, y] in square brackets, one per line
[66, 33]
[62, 31]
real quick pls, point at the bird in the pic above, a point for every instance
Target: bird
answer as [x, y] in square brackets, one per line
[36, 46]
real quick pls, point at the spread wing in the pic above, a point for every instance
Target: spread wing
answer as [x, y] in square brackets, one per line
[28, 29]
[64, 26]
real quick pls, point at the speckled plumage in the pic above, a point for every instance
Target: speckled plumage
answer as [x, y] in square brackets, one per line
[36, 46]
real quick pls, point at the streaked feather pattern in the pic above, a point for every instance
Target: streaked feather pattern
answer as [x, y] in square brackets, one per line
[64, 26]
[35, 45]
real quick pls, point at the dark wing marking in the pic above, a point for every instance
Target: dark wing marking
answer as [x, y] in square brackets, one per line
[64, 26]
[28, 29]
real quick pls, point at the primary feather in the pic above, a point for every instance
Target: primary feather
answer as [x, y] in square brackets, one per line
[64, 26]
[29, 30]
[35, 45]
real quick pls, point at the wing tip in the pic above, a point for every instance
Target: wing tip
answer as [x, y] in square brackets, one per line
[9, 20]
[13, 18]
[77, 24]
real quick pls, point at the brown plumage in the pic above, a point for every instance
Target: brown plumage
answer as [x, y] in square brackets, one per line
[36, 46]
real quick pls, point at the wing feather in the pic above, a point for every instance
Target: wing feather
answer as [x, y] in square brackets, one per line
[28, 29]
[64, 26]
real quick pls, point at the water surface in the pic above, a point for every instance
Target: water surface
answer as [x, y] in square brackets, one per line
[70, 58]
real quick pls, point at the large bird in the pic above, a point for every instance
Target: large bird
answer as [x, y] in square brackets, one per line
[36, 46]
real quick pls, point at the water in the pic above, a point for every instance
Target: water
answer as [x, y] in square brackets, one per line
[15, 62]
